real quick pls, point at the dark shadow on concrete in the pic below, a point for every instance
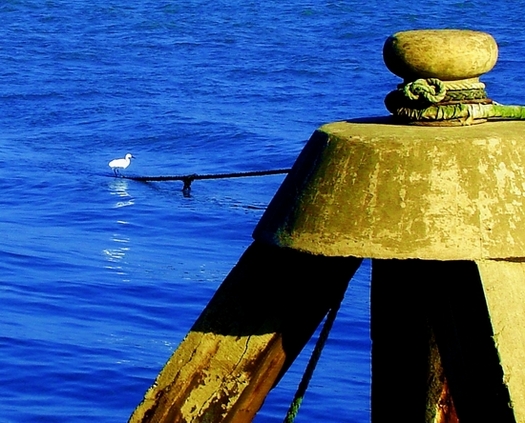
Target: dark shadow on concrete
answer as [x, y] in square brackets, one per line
[412, 299]
[277, 290]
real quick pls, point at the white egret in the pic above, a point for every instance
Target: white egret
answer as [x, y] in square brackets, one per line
[118, 164]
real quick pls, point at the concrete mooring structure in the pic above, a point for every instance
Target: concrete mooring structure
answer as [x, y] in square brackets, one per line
[436, 199]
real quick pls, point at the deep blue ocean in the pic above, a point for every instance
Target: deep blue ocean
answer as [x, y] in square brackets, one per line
[101, 278]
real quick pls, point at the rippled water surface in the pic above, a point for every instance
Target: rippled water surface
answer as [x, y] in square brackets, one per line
[100, 278]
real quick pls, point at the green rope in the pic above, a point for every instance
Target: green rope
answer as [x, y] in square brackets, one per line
[427, 101]
[431, 89]
[463, 113]
[397, 99]
[309, 371]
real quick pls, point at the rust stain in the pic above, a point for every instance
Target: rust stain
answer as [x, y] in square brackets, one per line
[446, 412]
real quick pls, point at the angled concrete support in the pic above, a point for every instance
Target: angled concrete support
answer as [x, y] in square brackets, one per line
[433, 333]
[251, 331]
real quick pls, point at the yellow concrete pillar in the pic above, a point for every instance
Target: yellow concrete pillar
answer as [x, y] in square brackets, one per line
[377, 189]
[440, 210]
[504, 287]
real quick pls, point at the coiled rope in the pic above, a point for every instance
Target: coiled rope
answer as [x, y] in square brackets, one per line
[435, 102]
[188, 179]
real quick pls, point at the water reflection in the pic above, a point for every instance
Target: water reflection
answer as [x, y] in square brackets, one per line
[119, 188]
[116, 255]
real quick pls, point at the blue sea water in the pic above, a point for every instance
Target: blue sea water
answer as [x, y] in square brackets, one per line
[100, 278]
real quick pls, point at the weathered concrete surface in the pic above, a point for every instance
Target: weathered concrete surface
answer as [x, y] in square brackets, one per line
[449, 55]
[251, 331]
[504, 286]
[376, 189]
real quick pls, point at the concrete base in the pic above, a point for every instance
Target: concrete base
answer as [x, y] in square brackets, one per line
[372, 188]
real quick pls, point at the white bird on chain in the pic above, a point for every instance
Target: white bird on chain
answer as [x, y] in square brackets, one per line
[118, 164]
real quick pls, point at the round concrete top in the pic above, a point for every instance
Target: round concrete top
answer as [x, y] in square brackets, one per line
[446, 54]
[380, 190]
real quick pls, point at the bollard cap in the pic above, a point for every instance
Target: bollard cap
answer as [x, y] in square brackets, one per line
[446, 54]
